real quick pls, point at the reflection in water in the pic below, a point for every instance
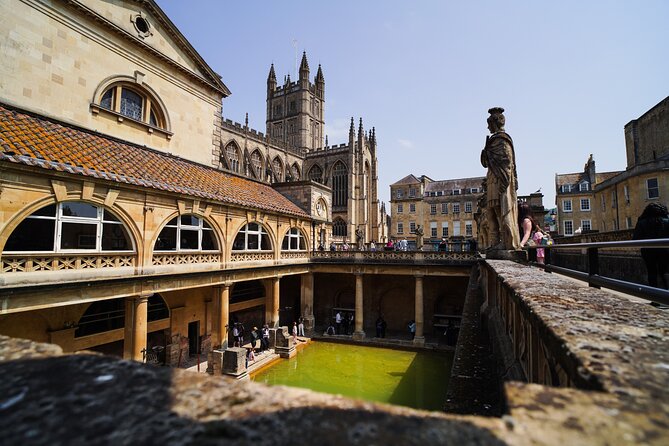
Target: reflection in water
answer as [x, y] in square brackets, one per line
[414, 379]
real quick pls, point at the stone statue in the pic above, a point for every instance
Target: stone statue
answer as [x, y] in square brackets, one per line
[499, 158]
[360, 239]
[419, 237]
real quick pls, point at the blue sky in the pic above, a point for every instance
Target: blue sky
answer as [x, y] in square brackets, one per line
[569, 74]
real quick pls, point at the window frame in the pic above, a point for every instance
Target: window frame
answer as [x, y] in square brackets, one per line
[400, 227]
[656, 188]
[294, 233]
[259, 233]
[433, 208]
[179, 226]
[400, 208]
[564, 227]
[468, 207]
[444, 208]
[585, 200]
[412, 208]
[589, 224]
[456, 208]
[564, 206]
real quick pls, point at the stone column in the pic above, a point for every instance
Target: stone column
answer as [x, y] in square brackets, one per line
[136, 322]
[307, 302]
[275, 302]
[359, 333]
[221, 316]
[419, 338]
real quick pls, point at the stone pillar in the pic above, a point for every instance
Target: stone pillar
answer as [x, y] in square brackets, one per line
[136, 322]
[359, 333]
[275, 302]
[419, 338]
[221, 316]
[307, 302]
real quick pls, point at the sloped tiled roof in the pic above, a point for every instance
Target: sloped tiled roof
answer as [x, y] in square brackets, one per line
[36, 141]
[577, 178]
[409, 179]
[460, 183]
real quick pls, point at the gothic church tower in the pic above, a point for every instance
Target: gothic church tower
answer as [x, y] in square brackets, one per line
[295, 110]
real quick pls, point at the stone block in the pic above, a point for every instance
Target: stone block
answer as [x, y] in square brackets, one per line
[284, 346]
[234, 361]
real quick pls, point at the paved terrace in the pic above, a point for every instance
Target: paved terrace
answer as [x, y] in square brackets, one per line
[610, 352]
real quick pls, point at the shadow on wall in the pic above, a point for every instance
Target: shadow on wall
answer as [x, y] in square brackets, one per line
[87, 399]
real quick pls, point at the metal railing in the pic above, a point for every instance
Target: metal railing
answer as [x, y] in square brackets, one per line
[593, 277]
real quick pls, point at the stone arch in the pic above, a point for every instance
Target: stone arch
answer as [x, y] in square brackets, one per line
[277, 169]
[257, 164]
[231, 156]
[316, 174]
[218, 233]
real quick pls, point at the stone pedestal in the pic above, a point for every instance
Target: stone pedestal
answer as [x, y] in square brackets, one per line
[284, 346]
[358, 335]
[215, 362]
[272, 336]
[419, 340]
[234, 362]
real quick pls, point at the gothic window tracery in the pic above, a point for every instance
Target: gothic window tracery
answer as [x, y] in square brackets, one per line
[339, 184]
[256, 164]
[277, 167]
[316, 174]
[339, 228]
[232, 155]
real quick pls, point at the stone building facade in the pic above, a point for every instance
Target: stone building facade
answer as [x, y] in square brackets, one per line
[443, 209]
[614, 200]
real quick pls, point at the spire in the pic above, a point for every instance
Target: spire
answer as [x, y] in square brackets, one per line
[360, 131]
[304, 65]
[271, 79]
[246, 121]
[320, 83]
[319, 74]
[326, 140]
[288, 79]
[351, 130]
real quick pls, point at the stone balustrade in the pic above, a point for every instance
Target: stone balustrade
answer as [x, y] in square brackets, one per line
[401, 257]
[65, 261]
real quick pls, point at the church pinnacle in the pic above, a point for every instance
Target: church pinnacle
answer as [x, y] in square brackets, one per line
[304, 65]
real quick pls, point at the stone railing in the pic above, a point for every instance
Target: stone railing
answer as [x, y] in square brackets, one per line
[419, 257]
[60, 261]
[294, 255]
[185, 259]
[251, 256]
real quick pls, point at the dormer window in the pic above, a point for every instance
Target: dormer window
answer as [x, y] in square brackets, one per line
[584, 186]
[456, 191]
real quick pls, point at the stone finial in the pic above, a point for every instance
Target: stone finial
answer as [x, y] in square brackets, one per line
[246, 121]
[304, 65]
[351, 130]
[326, 140]
[272, 74]
[319, 75]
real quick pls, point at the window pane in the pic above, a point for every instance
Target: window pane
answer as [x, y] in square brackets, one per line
[293, 243]
[253, 241]
[78, 236]
[78, 209]
[189, 239]
[190, 220]
[238, 245]
[302, 244]
[172, 222]
[284, 245]
[152, 119]
[131, 104]
[167, 240]
[107, 99]
[32, 234]
[252, 227]
[205, 224]
[208, 241]
[108, 216]
[47, 211]
[265, 243]
[115, 238]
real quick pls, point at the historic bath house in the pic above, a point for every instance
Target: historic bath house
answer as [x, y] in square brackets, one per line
[133, 215]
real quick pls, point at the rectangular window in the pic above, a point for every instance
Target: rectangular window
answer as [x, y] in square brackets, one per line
[412, 227]
[566, 188]
[412, 192]
[653, 188]
[456, 228]
[568, 227]
[585, 204]
[412, 207]
[399, 193]
[475, 190]
[400, 228]
[628, 220]
[584, 186]
[400, 208]
[433, 229]
[586, 225]
[439, 193]
[456, 208]
[456, 191]
[444, 208]
[468, 207]
[468, 228]
[444, 229]
[433, 208]
[626, 192]
[566, 205]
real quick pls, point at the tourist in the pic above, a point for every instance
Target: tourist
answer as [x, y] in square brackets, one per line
[241, 334]
[443, 245]
[372, 246]
[344, 323]
[654, 223]
[380, 327]
[250, 356]
[345, 246]
[321, 247]
[404, 244]
[300, 327]
[390, 246]
[526, 226]
[254, 338]
[338, 322]
[330, 331]
[265, 337]
[333, 246]
[235, 333]
[351, 323]
[294, 332]
[412, 329]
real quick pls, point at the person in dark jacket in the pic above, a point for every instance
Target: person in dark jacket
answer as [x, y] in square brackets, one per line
[653, 223]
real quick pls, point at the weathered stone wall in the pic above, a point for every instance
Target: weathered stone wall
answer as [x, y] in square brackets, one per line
[647, 137]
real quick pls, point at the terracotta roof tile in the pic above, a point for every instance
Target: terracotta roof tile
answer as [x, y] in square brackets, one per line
[35, 141]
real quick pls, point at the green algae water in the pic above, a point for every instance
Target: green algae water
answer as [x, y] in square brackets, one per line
[405, 378]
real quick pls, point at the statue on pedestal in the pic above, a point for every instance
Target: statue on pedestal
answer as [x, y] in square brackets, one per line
[419, 237]
[499, 158]
[360, 239]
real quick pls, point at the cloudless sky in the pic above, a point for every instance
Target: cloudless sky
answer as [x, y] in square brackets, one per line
[570, 75]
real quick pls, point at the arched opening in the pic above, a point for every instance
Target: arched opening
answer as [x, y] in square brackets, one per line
[295, 172]
[70, 226]
[339, 184]
[293, 241]
[277, 168]
[247, 309]
[316, 173]
[232, 156]
[252, 237]
[257, 164]
[339, 228]
[134, 101]
[186, 233]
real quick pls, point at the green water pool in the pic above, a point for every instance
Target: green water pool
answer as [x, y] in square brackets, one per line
[405, 378]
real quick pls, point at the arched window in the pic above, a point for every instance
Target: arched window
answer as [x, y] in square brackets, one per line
[256, 163]
[186, 233]
[232, 155]
[277, 167]
[339, 228]
[293, 241]
[70, 226]
[252, 237]
[107, 315]
[316, 173]
[339, 185]
[295, 172]
[132, 101]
